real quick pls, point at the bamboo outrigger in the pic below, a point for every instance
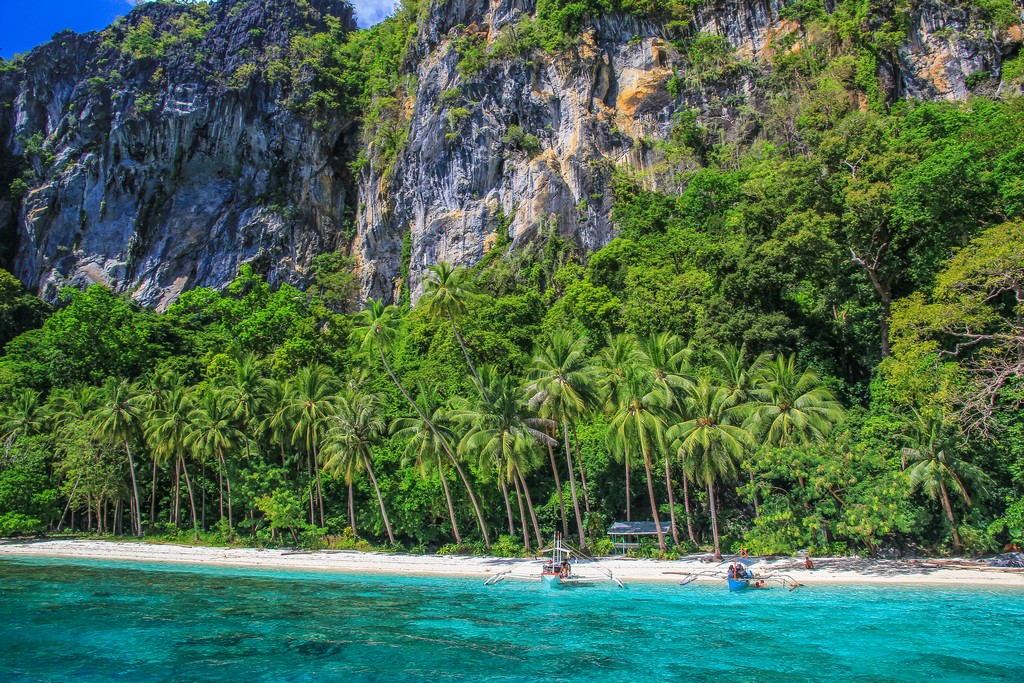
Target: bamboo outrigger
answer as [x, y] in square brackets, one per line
[559, 569]
[739, 577]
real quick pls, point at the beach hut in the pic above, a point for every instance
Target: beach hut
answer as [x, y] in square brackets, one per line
[627, 535]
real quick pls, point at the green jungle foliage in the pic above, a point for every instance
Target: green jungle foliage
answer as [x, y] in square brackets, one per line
[807, 338]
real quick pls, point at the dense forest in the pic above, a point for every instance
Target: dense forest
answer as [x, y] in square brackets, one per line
[805, 336]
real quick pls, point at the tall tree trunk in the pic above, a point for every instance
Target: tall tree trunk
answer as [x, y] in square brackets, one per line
[558, 485]
[629, 496]
[227, 480]
[444, 445]
[70, 498]
[380, 499]
[448, 502]
[533, 513]
[583, 474]
[948, 507]
[220, 489]
[202, 494]
[714, 519]
[671, 499]
[650, 492]
[176, 509]
[352, 511]
[191, 498]
[319, 490]
[572, 487]
[522, 510]
[472, 368]
[309, 477]
[686, 506]
[135, 490]
[152, 497]
[508, 506]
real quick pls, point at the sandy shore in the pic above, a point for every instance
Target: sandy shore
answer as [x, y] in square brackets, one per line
[827, 571]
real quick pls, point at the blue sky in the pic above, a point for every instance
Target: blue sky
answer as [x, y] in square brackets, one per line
[23, 25]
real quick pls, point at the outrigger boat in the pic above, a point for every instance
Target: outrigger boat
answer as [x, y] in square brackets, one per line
[559, 568]
[739, 577]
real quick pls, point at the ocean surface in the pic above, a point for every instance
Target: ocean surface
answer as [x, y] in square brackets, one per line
[105, 621]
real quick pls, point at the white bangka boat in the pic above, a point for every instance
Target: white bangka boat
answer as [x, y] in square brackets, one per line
[560, 567]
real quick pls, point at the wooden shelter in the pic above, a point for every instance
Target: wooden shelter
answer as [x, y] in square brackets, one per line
[627, 535]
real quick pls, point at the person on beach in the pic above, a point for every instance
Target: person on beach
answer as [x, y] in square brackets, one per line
[808, 565]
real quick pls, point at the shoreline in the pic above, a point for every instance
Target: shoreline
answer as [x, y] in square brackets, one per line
[829, 570]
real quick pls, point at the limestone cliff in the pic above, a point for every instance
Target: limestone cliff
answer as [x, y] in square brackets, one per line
[593, 108]
[162, 153]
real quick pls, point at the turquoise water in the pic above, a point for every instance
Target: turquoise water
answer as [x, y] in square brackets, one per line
[101, 621]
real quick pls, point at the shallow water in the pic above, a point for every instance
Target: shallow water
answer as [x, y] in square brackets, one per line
[99, 621]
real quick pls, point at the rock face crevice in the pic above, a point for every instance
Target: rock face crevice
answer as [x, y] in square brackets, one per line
[154, 167]
[168, 171]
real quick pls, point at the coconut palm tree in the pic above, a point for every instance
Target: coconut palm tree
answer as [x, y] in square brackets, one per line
[446, 291]
[423, 449]
[119, 420]
[562, 387]
[246, 390]
[167, 428]
[504, 436]
[793, 407]
[740, 375]
[619, 357]
[376, 328]
[666, 357]
[309, 400]
[24, 416]
[938, 468]
[638, 426]
[710, 440]
[212, 433]
[354, 428]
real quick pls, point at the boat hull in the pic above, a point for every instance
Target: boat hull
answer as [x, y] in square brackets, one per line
[551, 580]
[738, 584]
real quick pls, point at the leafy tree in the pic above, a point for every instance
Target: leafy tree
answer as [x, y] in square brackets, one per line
[120, 419]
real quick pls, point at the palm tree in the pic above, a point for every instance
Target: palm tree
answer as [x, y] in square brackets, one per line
[376, 328]
[24, 416]
[733, 371]
[246, 389]
[667, 359]
[446, 290]
[310, 398]
[617, 360]
[639, 424]
[710, 440]
[423, 448]
[167, 428]
[938, 468]
[119, 420]
[213, 432]
[562, 387]
[504, 435]
[793, 407]
[354, 428]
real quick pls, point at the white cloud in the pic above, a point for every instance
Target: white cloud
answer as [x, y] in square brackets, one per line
[370, 12]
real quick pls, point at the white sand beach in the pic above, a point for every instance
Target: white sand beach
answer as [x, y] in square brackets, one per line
[827, 570]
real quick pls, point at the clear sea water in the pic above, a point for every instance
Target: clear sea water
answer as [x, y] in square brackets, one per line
[102, 621]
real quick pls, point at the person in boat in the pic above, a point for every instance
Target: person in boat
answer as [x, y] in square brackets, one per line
[563, 571]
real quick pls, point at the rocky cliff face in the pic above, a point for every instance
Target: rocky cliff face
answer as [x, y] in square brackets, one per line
[162, 153]
[599, 106]
[166, 151]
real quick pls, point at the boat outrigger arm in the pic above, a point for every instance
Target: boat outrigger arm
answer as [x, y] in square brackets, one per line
[561, 568]
[753, 581]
